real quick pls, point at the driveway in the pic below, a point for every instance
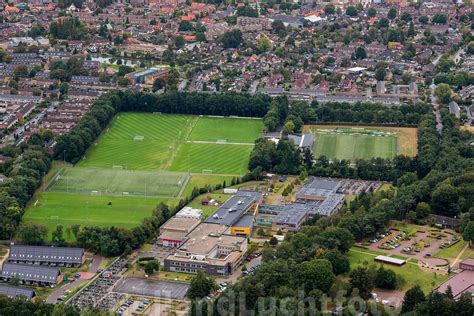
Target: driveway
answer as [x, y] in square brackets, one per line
[238, 273]
[85, 276]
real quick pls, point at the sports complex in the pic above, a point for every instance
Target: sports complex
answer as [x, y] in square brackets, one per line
[140, 160]
[362, 142]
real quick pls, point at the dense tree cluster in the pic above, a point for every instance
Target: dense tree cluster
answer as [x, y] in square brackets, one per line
[65, 70]
[370, 113]
[25, 168]
[15, 307]
[435, 303]
[67, 28]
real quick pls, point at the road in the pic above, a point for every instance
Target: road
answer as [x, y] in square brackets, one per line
[96, 260]
[10, 138]
[238, 273]
[436, 106]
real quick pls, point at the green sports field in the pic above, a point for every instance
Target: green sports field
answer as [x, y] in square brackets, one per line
[144, 154]
[54, 208]
[118, 181]
[212, 158]
[354, 144]
[119, 146]
[144, 141]
[232, 130]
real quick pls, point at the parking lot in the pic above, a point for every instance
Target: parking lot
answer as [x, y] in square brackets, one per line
[420, 246]
[152, 288]
[98, 292]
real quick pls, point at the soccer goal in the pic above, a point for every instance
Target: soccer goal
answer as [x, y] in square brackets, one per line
[54, 217]
[95, 192]
[156, 113]
[139, 137]
[207, 171]
[117, 167]
[221, 141]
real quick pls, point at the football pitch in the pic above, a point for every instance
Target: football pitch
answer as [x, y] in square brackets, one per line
[140, 160]
[117, 181]
[144, 141]
[352, 144]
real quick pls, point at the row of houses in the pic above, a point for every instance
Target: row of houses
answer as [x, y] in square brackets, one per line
[39, 264]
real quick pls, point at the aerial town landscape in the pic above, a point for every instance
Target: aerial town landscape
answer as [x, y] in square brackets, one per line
[250, 157]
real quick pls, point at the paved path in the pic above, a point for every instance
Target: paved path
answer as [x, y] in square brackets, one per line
[459, 255]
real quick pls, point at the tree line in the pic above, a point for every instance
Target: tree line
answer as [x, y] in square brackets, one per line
[73, 145]
[18, 306]
[24, 167]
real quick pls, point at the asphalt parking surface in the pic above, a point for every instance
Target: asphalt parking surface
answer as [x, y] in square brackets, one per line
[152, 288]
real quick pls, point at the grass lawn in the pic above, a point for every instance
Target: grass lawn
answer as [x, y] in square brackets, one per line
[201, 180]
[207, 210]
[117, 146]
[351, 146]
[452, 252]
[233, 130]
[67, 209]
[116, 181]
[214, 158]
[139, 153]
[411, 273]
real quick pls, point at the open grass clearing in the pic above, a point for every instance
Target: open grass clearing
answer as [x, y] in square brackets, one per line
[201, 180]
[411, 273]
[67, 209]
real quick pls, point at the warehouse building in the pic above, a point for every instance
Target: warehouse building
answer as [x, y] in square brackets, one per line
[16, 292]
[44, 255]
[31, 274]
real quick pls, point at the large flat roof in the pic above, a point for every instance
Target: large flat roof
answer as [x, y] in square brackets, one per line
[319, 187]
[291, 215]
[245, 221]
[390, 260]
[231, 211]
[183, 224]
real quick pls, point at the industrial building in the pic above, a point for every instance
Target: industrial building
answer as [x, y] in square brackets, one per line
[31, 274]
[44, 255]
